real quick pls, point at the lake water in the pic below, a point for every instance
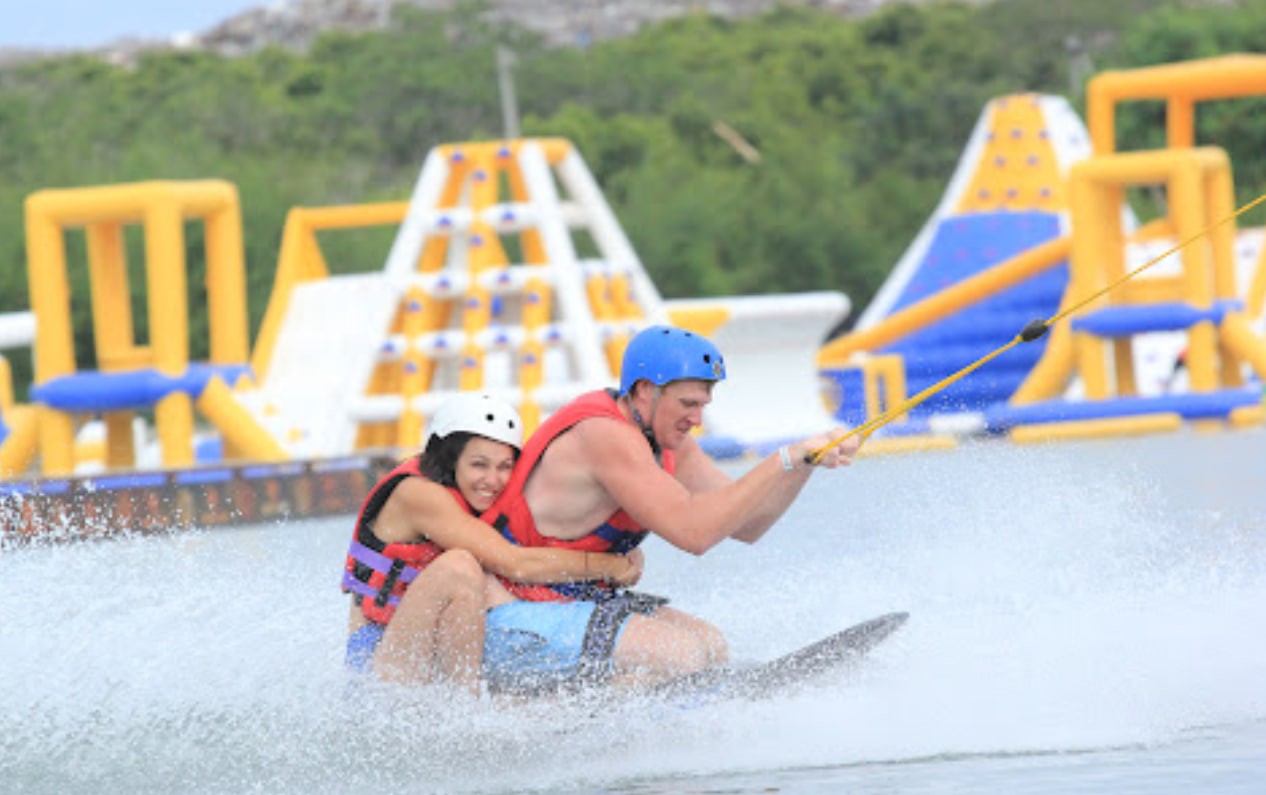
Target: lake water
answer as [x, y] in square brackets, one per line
[1085, 618]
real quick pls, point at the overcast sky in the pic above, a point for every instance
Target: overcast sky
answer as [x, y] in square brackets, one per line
[89, 23]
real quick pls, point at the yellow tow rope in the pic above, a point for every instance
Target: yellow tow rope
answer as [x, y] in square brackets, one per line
[1033, 330]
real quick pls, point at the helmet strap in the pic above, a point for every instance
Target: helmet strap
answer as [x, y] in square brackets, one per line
[645, 427]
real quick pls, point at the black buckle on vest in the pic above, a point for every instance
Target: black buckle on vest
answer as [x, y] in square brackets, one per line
[384, 593]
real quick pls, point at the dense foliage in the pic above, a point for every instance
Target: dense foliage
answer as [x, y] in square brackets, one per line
[858, 124]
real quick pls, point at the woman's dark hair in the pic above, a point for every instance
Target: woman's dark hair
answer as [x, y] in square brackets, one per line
[439, 460]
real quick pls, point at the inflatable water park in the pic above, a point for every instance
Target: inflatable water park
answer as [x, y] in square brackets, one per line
[510, 273]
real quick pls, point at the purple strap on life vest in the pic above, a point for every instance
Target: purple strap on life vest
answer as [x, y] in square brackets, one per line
[380, 562]
[353, 585]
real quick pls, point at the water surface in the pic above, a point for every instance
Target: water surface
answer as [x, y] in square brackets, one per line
[1085, 618]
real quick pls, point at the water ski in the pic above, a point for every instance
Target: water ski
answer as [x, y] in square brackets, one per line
[832, 653]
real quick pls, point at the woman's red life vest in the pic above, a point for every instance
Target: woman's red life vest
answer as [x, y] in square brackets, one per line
[378, 573]
[511, 516]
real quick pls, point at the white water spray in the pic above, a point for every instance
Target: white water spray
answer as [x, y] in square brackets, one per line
[1063, 599]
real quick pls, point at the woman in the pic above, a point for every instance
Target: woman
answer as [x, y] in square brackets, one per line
[416, 565]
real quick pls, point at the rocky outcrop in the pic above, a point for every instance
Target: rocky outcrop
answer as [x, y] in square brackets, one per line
[578, 22]
[294, 24]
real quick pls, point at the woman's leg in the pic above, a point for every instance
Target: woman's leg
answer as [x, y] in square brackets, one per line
[438, 627]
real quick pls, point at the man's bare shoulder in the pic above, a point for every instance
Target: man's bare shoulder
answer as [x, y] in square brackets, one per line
[603, 432]
[611, 449]
[586, 445]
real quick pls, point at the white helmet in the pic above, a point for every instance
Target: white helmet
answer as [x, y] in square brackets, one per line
[480, 414]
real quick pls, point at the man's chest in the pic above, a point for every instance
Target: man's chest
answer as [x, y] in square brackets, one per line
[567, 501]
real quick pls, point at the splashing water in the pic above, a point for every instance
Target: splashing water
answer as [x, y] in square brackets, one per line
[1101, 599]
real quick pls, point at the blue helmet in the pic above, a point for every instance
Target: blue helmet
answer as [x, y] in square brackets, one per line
[661, 354]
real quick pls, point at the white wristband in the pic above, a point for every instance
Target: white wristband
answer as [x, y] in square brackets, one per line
[784, 455]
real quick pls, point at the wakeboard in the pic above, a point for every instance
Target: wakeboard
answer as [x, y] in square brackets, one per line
[833, 653]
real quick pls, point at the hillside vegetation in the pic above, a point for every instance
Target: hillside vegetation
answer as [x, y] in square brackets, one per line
[858, 124]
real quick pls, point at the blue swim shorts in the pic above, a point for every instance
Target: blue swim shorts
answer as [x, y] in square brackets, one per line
[531, 647]
[535, 639]
[534, 647]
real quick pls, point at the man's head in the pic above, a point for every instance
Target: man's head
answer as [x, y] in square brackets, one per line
[667, 376]
[663, 354]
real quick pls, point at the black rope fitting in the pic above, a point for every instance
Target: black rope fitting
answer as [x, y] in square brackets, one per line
[1033, 330]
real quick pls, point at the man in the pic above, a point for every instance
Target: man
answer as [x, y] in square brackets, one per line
[611, 466]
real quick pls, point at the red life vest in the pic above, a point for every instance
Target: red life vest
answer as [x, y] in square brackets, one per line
[512, 517]
[378, 573]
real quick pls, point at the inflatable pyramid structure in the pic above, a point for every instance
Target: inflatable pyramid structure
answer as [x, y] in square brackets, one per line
[509, 273]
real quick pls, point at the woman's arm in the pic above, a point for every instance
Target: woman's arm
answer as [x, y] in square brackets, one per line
[426, 509]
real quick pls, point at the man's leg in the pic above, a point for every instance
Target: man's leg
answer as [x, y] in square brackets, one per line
[534, 645]
[438, 627]
[665, 645]
[705, 634]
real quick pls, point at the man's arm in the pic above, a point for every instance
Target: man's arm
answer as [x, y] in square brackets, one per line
[704, 507]
[699, 473]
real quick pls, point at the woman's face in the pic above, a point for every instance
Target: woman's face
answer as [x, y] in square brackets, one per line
[483, 469]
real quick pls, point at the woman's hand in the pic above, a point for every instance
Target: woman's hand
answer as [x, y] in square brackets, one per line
[625, 570]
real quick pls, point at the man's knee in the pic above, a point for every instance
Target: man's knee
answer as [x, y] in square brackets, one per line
[708, 636]
[705, 647]
[664, 649]
[718, 648]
